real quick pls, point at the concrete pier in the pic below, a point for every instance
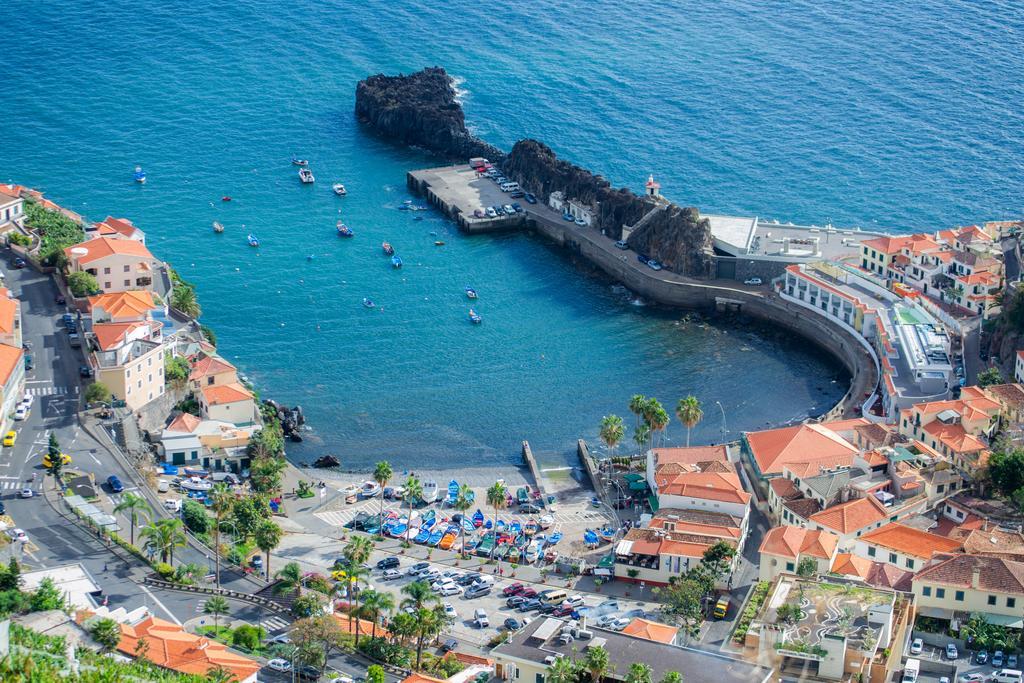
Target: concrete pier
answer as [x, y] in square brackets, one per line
[458, 192]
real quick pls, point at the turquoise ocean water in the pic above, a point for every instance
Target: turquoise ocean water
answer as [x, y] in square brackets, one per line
[905, 116]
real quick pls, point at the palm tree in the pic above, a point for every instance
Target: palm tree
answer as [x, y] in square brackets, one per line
[216, 606]
[184, 299]
[413, 492]
[496, 498]
[382, 474]
[612, 431]
[689, 412]
[463, 502]
[357, 550]
[636, 406]
[217, 674]
[658, 419]
[638, 673]
[267, 536]
[419, 595]
[354, 573]
[641, 434]
[596, 663]
[135, 507]
[429, 623]
[289, 579]
[221, 502]
[376, 603]
[562, 670]
[163, 536]
[403, 628]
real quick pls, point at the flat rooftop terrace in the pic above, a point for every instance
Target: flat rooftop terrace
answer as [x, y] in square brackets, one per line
[460, 191]
[746, 236]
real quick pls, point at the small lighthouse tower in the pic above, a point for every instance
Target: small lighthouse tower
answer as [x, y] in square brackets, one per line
[653, 187]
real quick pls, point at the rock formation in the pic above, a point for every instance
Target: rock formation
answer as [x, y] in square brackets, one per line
[677, 237]
[420, 109]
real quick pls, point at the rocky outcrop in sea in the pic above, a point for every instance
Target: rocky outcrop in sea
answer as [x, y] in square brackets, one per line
[420, 109]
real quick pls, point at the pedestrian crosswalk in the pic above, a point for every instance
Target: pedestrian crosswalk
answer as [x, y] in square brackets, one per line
[336, 517]
[51, 391]
[12, 485]
[272, 624]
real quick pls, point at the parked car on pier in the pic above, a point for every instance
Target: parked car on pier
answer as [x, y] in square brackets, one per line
[621, 244]
[753, 281]
[653, 265]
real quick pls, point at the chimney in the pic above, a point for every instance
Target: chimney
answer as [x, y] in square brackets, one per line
[975, 577]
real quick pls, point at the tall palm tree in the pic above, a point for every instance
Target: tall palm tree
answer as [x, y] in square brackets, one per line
[429, 623]
[216, 606]
[636, 406]
[596, 663]
[267, 535]
[641, 434]
[184, 299]
[357, 550]
[163, 536]
[496, 498]
[420, 595]
[658, 419]
[562, 670]
[403, 628]
[413, 492]
[135, 507]
[612, 431]
[354, 573]
[382, 474]
[375, 604]
[221, 501]
[689, 412]
[463, 501]
[638, 673]
[289, 579]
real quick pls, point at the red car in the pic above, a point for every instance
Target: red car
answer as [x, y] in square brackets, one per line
[562, 611]
[514, 589]
[528, 593]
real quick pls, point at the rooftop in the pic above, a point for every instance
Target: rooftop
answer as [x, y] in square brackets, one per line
[851, 516]
[910, 541]
[130, 304]
[102, 247]
[989, 573]
[774, 448]
[795, 541]
[651, 630]
[225, 393]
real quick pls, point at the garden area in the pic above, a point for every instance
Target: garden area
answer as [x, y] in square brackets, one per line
[56, 232]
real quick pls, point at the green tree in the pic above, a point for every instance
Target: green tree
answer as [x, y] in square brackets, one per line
[97, 392]
[596, 663]
[375, 674]
[463, 501]
[183, 298]
[638, 673]
[249, 512]
[55, 467]
[807, 567]
[307, 605]
[193, 513]
[219, 674]
[216, 605]
[321, 631]
[289, 579]
[788, 613]
[1006, 470]
[47, 596]
[429, 623]
[382, 474]
[612, 431]
[176, 370]
[267, 442]
[641, 435]
[267, 536]
[636, 406]
[247, 637]
[53, 446]
[689, 412]
[412, 493]
[106, 632]
[655, 417]
[265, 472]
[989, 377]
[163, 536]
[222, 499]
[497, 499]
[10, 578]
[82, 284]
[419, 595]
[562, 670]
[210, 335]
[717, 559]
[375, 605]
[683, 599]
[135, 508]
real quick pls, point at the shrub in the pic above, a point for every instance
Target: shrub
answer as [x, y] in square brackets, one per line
[384, 651]
[247, 637]
[97, 392]
[56, 230]
[319, 583]
[19, 239]
[194, 515]
[176, 369]
[208, 332]
[165, 571]
[106, 632]
[82, 284]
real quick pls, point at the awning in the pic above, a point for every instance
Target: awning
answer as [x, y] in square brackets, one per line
[1004, 620]
[637, 485]
[652, 500]
[624, 547]
[633, 476]
[602, 571]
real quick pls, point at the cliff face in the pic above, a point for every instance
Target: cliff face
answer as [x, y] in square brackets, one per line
[420, 109]
[675, 236]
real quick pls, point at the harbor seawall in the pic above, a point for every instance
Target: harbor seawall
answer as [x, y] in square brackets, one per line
[669, 289]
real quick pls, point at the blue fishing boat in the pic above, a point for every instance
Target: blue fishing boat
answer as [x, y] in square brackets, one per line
[253, 240]
[590, 539]
[470, 292]
[453, 492]
[500, 526]
[422, 537]
[344, 230]
[399, 530]
[607, 534]
[396, 261]
[515, 528]
[139, 175]
[435, 537]
[555, 538]
[478, 519]
[467, 525]
[475, 317]
[368, 302]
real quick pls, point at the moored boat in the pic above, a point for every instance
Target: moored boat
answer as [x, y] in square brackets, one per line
[217, 227]
[429, 491]
[387, 249]
[470, 293]
[396, 261]
[474, 317]
[306, 176]
[253, 240]
[478, 519]
[344, 230]
[300, 162]
[140, 175]
[339, 189]
[368, 303]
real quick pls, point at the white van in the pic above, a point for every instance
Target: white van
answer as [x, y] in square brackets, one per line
[162, 485]
[911, 670]
[1007, 676]
[509, 187]
[480, 618]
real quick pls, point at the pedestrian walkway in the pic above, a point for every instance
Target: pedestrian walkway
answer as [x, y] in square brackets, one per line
[11, 485]
[272, 624]
[51, 390]
[336, 517]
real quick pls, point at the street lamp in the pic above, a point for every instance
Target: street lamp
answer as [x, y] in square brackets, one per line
[725, 429]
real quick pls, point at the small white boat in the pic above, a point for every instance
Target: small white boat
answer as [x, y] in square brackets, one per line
[369, 489]
[196, 484]
[339, 189]
[306, 176]
[217, 227]
[429, 491]
[140, 175]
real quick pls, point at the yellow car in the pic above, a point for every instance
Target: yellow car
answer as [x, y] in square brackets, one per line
[64, 458]
[10, 438]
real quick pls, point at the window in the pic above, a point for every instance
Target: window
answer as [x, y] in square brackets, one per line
[992, 600]
[910, 563]
[1011, 602]
[940, 593]
[106, 271]
[871, 551]
[106, 285]
[127, 269]
[927, 591]
[127, 283]
[958, 596]
[789, 566]
[540, 678]
[892, 558]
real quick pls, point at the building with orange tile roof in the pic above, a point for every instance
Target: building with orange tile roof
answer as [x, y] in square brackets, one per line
[129, 359]
[962, 584]
[192, 441]
[121, 307]
[228, 403]
[876, 574]
[960, 429]
[902, 546]
[652, 630]
[769, 451]
[784, 547]
[117, 228]
[169, 646]
[12, 380]
[117, 264]
[211, 370]
[851, 519]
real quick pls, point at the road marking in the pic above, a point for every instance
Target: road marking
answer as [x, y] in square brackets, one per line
[161, 605]
[95, 458]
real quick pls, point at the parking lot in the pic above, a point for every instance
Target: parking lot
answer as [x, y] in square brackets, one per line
[967, 663]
